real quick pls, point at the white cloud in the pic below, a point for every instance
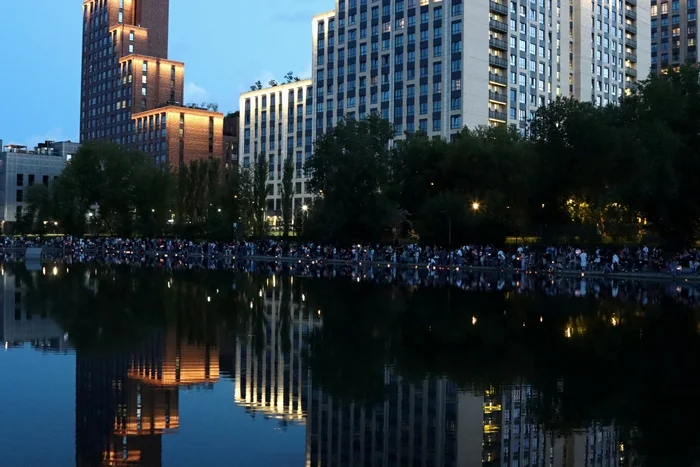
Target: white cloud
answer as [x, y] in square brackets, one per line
[195, 94]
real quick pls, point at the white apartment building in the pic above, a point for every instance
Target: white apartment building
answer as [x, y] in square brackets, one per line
[277, 123]
[438, 66]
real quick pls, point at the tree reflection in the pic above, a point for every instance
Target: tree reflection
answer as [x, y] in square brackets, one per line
[587, 360]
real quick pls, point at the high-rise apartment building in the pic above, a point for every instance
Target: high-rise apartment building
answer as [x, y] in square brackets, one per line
[277, 123]
[126, 75]
[674, 34]
[119, 36]
[434, 65]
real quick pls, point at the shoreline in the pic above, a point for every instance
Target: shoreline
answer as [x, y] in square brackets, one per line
[654, 276]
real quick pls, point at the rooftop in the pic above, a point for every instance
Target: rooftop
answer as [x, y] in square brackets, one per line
[280, 87]
[177, 107]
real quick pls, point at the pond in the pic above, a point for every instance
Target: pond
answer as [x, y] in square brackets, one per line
[273, 365]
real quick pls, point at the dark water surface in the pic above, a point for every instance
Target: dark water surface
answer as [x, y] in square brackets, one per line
[128, 365]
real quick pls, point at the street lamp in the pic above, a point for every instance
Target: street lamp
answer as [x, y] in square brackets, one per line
[475, 206]
[304, 208]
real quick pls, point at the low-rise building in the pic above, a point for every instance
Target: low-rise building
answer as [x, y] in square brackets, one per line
[175, 135]
[20, 168]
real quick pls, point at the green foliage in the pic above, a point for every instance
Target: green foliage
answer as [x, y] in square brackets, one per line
[583, 173]
[111, 189]
[259, 195]
[114, 184]
[350, 172]
[287, 195]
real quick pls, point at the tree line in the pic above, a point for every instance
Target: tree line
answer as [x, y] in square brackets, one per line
[115, 190]
[624, 172]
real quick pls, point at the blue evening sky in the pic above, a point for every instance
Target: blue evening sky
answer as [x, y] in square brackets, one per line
[226, 46]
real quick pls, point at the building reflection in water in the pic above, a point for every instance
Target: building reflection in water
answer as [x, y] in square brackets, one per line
[126, 403]
[430, 423]
[22, 323]
[270, 375]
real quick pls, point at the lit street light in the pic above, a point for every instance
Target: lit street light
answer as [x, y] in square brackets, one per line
[304, 208]
[475, 206]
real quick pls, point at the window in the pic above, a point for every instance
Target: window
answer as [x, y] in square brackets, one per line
[20, 179]
[31, 180]
[19, 196]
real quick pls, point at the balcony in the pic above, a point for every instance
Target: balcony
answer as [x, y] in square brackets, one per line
[498, 25]
[498, 44]
[498, 79]
[630, 71]
[498, 97]
[630, 13]
[498, 8]
[631, 2]
[631, 42]
[631, 57]
[631, 28]
[496, 115]
[498, 61]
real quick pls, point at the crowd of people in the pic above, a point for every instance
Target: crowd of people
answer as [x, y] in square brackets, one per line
[488, 281]
[549, 259]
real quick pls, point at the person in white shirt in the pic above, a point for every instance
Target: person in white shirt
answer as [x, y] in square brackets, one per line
[584, 260]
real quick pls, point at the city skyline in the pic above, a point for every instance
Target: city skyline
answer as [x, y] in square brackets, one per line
[203, 41]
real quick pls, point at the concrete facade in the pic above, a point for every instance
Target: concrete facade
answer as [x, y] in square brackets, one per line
[618, 55]
[673, 33]
[433, 65]
[277, 123]
[21, 168]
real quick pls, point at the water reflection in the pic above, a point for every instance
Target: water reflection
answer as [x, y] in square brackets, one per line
[126, 402]
[403, 368]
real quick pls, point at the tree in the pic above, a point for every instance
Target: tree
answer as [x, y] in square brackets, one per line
[106, 176]
[272, 83]
[259, 195]
[39, 209]
[287, 194]
[256, 86]
[350, 171]
[289, 77]
[246, 199]
[662, 122]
